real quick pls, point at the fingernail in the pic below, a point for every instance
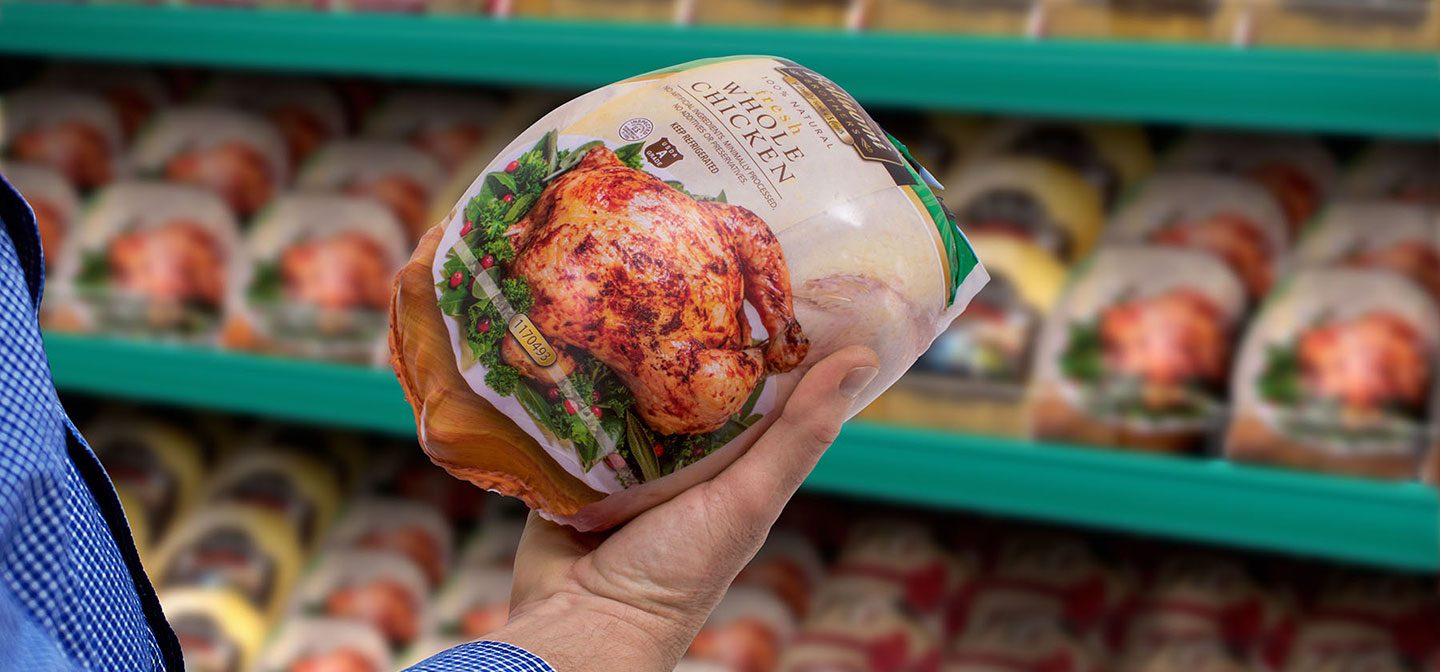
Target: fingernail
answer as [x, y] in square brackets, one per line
[856, 380]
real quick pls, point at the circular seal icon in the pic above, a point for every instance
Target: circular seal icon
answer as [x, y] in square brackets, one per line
[636, 129]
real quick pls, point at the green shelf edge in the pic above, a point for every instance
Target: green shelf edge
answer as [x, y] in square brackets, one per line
[1374, 93]
[1390, 525]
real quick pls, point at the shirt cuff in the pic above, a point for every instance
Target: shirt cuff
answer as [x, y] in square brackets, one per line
[483, 657]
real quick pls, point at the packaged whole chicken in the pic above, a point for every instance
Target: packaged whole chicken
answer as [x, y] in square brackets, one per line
[1232, 219]
[398, 176]
[1007, 17]
[135, 94]
[1138, 352]
[412, 529]
[817, 13]
[306, 113]
[149, 258]
[1337, 374]
[447, 125]
[382, 589]
[54, 202]
[1038, 577]
[219, 631]
[1034, 199]
[1298, 170]
[417, 479]
[1020, 642]
[325, 645]
[344, 452]
[1392, 236]
[1208, 609]
[902, 561]
[975, 376]
[238, 155]
[624, 300]
[320, 283]
[158, 464]
[853, 631]
[1394, 170]
[75, 133]
[253, 551]
[494, 545]
[475, 603]
[745, 633]
[1394, 24]
[1111, 157]
[1171, 20]
[654, 11]
[300, 488]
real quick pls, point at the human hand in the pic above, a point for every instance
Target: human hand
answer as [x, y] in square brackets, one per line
[633, 600]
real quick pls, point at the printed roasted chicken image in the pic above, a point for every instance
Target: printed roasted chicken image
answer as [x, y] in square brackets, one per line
[653, 283]
[1418, 260]
[234, 170]
[1234, 239]
[1373, 362]
[177, 262]
[1166, 341]
[347, 270]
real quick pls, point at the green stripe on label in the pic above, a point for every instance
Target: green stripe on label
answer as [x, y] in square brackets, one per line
[961, 256]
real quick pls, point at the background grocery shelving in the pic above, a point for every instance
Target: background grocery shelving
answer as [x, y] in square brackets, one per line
[1389, 94]
[1392, 525]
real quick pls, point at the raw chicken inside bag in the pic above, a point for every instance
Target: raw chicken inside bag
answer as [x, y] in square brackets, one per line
[624, 299]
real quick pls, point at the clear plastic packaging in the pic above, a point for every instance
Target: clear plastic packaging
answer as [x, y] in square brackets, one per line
[1298, 170]
[381, 589]
[447, 125]
[595, 372]
[303, 644]
[398, 176]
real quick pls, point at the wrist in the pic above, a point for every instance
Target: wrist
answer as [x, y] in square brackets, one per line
[574, 632]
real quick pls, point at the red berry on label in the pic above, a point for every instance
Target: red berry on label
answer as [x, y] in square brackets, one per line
[487, 261]
[484, 325]
[512, 166]
[552, 394]
[571, 408]
[467, 228]
[597, 412]
[508, 198]
[659, 450]
[594, 396]
[456, 278]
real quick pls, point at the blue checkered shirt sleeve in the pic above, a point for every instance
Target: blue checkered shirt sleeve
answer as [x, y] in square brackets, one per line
[483, 657]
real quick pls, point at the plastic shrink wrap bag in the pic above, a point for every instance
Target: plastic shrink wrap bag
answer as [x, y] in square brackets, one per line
[622, 302]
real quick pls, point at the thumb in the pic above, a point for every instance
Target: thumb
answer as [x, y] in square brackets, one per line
[762, 480]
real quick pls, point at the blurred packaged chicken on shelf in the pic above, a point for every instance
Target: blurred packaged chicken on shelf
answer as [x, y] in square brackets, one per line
[474, 603]
[219, 630]
[1400, 171]
[1337, 374]
[305, 644]
[306, 112]
[148, 259]
[788, 13]
[989, 17]
[320, 282]
[1160, 20]
[412, 529]
[158, 464]
[53, 199]
[1388, 235]
[1036, 200]
[1113, 158]
[398, 176]
[1299, 170]
[237, 155]
[638, 11]
[254, 551]
[447, 124]
[74, 133]
[1389, 24]
[133, 94]
[1231, 219]
[382, 589]
[1138, 352]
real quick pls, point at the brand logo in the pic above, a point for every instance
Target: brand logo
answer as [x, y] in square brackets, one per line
[532, 340]
[844, 116]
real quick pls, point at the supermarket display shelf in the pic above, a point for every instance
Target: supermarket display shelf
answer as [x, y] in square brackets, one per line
[1392, 525]
[1376, 93]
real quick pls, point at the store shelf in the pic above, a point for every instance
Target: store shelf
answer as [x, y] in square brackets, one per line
[1373, 93]
[1319, 516]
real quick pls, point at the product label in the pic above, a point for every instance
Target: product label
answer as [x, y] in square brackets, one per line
[628, 279]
